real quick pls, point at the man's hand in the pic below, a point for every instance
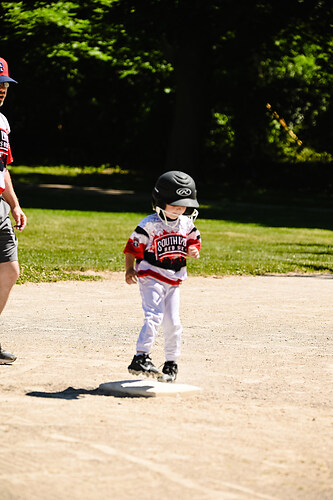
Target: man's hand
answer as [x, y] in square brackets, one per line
[19, 218]
[10, 197]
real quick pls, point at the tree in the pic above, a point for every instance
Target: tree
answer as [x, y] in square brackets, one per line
[155, 84]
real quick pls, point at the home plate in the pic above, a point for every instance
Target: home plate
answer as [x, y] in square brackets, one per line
[147, 388]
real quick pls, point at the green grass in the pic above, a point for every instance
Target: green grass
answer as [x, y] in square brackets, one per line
[58, 243]
[248, 231]
[233, 248]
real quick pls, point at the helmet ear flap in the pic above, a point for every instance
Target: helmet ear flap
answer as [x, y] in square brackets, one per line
[157, 201]
[189, 211]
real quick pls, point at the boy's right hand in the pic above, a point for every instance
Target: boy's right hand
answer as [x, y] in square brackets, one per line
[131, 276]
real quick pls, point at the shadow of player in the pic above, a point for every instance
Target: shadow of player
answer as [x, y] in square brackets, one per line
[71, 393]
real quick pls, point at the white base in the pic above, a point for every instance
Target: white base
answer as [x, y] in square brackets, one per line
[147, 388]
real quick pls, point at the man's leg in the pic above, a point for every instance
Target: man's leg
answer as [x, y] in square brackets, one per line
[9, 273]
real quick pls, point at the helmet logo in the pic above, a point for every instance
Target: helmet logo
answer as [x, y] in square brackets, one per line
[184, 191]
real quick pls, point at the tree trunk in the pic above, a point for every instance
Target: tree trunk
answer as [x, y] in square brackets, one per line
[191, 105]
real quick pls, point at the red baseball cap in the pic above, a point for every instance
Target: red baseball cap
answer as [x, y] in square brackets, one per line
[4, 77]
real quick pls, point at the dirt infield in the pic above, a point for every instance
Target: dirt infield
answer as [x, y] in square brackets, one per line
[261, 428]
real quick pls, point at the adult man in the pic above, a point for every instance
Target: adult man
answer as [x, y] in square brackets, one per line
[9, 267]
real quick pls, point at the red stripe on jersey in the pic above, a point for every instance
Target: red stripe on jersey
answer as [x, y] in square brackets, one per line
[153, 274]
[195, 243]
[135, 248]
[9, 157]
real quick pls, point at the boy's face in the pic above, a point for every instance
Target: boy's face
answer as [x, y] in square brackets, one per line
[174, 212]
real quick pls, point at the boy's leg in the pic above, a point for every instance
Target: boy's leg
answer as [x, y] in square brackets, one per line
[172, 327]
[152, 294]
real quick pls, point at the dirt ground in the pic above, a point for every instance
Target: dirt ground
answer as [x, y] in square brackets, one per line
[260, 348]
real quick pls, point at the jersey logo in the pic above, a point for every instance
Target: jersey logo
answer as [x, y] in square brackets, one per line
[3, 141]
[184, 191]
[170, 245]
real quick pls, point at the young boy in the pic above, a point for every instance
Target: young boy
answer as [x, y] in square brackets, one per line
[155, 255]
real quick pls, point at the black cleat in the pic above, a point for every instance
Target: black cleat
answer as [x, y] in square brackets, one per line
[6, 357]
[143, 365]
[170, 370]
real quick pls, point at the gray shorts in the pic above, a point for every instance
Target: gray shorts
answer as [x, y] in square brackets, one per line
[8, 240]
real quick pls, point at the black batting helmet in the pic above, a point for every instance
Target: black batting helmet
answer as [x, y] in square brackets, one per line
[175, 188]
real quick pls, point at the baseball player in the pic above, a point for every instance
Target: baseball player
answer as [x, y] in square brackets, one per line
[9, 267]
[155, 256]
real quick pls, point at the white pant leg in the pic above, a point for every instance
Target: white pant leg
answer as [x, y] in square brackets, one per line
[152, 295]
[172, 327]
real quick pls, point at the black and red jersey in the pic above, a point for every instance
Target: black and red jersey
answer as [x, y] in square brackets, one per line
[161, 250]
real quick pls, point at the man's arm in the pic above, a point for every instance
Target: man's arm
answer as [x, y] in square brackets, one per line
[10, 197]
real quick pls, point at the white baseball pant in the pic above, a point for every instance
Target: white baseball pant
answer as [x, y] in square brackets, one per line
[160, 303]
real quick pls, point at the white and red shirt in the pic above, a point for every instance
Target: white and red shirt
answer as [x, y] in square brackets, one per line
[161, 250]
[5, 151]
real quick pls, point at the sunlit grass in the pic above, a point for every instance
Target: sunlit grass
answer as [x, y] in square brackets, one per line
[58, 243]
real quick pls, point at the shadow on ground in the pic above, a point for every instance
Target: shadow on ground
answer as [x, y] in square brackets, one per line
[70, 393]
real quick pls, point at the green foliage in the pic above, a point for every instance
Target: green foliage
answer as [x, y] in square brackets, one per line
[70, 31]
[151, 84]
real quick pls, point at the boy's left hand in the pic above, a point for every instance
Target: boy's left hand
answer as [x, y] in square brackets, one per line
[193, 252]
